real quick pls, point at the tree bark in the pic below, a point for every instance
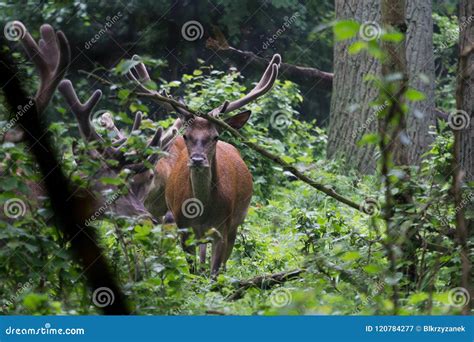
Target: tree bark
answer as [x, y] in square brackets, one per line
[420, 56]
[463, 160]
[466, 41]
[351, 115]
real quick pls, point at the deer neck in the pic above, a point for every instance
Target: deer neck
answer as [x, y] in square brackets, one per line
[201, 183]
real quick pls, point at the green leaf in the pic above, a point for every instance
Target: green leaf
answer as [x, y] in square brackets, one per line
[288, 159]
[111, 181]
[123, 94]
[350, 256]
[414, 95]
[369, 138]
[372, 269]
[125, 65]
[346, 29]
[358, 46]
[392, 37]
[418, 298]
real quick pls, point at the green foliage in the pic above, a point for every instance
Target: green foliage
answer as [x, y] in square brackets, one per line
[289, 225]
[445, 41]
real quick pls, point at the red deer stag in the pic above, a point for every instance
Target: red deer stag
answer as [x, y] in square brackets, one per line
[207, 184]
[210, 185]
[51, 58]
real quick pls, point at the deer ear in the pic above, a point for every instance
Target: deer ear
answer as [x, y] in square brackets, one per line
[238, 121]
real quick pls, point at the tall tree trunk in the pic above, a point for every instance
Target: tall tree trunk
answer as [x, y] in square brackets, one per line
[420, 56]
[466, 41]
[463, 165]
[351, 115]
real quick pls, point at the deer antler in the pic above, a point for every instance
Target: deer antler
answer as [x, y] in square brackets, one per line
[83, 113]
[140, 76]
[263, 86]
[51, 58]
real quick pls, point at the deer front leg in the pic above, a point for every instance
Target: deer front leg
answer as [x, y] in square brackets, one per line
[232, 235]
[218, 254]
[190, 250]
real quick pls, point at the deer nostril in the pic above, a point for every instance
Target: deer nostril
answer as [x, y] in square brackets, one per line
[197, 160]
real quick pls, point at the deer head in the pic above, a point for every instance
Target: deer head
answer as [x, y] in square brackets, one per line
[130, 202]
[201, 135]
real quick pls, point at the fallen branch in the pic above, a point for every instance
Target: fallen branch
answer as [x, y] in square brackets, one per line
[216, 312]
[264, 282]
[305, 76]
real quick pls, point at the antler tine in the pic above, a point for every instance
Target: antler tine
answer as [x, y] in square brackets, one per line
[262, 87]
[51, 58]
[82, 111]
[153, 158]
[141, 78]
[142, 72]
[122, 140]
[138, 81]
[137, 122]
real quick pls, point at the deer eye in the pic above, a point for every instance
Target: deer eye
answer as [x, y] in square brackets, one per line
[185, 137]
[215, 138]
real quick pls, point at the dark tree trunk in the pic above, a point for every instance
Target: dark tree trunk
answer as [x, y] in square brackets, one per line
[351, 115]
[466, 41]
[420, 56]
[463, 165]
